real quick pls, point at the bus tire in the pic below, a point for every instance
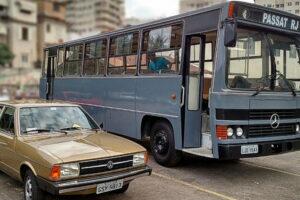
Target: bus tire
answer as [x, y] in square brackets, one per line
[162, 144]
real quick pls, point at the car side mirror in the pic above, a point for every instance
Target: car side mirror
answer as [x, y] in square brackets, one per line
[230, 38]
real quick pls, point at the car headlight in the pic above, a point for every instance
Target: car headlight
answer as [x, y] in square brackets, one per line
[64, 171]
[140, 159]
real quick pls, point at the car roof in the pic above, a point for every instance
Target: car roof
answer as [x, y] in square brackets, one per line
[35, 103]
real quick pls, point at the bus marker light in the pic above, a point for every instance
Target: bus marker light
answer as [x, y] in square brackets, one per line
[231, 10]
[221, 132]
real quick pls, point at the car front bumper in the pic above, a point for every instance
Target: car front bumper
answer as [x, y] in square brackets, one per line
[88, 183]
[233, 151]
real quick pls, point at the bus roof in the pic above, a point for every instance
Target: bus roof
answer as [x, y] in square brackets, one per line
[174, 19]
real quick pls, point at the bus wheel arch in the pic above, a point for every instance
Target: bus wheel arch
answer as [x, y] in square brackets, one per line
[162, 140]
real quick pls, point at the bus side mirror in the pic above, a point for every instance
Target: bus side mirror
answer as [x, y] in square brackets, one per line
[230, 38]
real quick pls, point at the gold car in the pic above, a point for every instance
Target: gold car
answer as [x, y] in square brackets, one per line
[58, 148]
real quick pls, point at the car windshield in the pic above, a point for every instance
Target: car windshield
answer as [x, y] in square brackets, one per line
[52, 119]
[264, 60]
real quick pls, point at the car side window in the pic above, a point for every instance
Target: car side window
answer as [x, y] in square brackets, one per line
[7, 124]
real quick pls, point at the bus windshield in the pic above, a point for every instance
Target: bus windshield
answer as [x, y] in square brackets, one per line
[250, 65]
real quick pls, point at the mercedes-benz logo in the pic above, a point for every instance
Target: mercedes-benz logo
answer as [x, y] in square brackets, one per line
[275, 121]
[110, 165]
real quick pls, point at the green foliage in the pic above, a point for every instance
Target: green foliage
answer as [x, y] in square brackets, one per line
[5, 55]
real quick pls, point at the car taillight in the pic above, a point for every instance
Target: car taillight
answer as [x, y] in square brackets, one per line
[55, 173]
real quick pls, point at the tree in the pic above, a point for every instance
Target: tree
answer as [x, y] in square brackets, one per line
[5, 55]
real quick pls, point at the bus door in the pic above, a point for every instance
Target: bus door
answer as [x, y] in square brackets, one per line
[50, 72]
[193, 85]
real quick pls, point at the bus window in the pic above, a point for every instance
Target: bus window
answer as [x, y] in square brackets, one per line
[73, 60]
[44, 69]
[123, 54]
[60, 65]
[161, 51]
[95, 58]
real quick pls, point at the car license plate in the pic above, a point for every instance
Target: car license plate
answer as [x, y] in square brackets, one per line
[109, 186]
[249, 149]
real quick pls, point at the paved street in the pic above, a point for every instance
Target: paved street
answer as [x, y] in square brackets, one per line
[275, 177]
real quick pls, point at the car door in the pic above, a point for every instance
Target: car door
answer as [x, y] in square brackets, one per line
[7, 140]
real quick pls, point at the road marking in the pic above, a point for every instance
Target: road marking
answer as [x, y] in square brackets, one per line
[270, 168]
[199, 188]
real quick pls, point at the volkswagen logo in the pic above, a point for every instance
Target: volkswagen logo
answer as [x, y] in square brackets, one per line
[275, 121]
[110, 165]
[245, 14]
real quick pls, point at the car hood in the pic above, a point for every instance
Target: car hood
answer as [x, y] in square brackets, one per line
[83, 146]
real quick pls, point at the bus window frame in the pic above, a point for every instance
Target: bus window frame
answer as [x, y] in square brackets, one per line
[138, 31]
[44, 71]
[105, 57]
[63, 47]
[158, 26]
[80, 60]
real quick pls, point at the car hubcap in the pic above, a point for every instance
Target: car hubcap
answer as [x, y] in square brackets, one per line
[28, 189]
[161, 144]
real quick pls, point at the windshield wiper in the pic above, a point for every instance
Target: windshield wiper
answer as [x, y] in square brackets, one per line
[287, 83]
[71, 128]
[37, 130]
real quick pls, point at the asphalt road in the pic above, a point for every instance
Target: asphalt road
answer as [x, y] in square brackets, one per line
[268, 178]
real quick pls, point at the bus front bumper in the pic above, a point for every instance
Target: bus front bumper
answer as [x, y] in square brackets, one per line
[89, 183]
[234, 151]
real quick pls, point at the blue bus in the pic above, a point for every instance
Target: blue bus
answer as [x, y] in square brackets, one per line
[221, 82]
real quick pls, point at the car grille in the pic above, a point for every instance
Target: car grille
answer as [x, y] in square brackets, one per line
[266, 114]
[267, 130]
[105, 165]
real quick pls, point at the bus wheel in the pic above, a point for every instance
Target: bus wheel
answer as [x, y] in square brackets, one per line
[163, 144]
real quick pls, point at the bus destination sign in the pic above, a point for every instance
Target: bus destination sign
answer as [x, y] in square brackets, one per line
[268, 18]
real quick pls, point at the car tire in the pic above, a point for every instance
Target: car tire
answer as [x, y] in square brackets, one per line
[162, 144]
[31, 189]
[122, 190]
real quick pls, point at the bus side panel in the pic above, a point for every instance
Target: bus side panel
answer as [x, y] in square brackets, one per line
[110, 101]
[154, 98]
[43, 88]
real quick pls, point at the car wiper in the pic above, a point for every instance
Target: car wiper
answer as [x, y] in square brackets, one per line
[70, 128]
[292, 89]
[37, 130]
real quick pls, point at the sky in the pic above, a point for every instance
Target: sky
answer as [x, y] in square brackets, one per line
[153, 9]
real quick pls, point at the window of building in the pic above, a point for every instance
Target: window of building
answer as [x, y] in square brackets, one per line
[74, 55]
[7, 124]
[297, 11]
[95, 58]
[48, 28]
[56, 7]
[24, 58]
[289, 3]
[25, 34]
[161, 52]
[297, 3]
[123, 54]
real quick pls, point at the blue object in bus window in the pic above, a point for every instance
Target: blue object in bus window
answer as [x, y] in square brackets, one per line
[157, 64]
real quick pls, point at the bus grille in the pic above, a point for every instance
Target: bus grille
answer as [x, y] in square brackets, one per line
[267, 130]
[99, 166]
[266, 114]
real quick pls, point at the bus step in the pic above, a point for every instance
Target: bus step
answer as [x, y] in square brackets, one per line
[204, 152]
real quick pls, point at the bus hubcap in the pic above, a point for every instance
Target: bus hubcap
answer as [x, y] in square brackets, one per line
[161, 142]
[28, 189]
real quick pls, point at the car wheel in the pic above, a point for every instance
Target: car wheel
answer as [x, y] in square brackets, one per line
[31, 189]
[122, 190]
[163, 144]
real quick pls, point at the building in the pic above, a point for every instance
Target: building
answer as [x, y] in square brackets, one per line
[52, 26]
[189, 5]
[18, 30]
[292, 6]
[94, 16]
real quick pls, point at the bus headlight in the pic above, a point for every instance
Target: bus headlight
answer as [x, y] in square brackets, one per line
[229, 132]
[140, 159]
[239, 132]
[297, 128]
